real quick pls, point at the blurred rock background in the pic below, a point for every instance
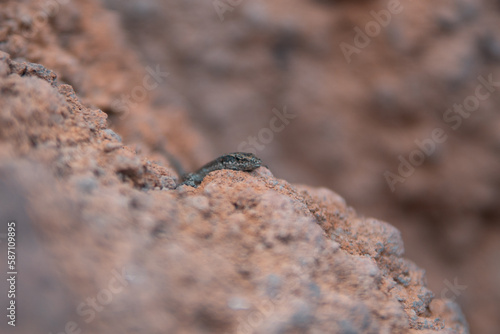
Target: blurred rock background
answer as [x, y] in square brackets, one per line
[234, 64]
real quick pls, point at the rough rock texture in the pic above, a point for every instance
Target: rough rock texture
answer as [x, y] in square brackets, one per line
[353, 120]
[119, 249]
[86, 47]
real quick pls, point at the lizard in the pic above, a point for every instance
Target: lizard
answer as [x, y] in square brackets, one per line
[234, 161]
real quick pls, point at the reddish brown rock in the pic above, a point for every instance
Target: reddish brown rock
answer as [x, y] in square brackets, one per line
[242, 253]
[83, 44]
[231, 68]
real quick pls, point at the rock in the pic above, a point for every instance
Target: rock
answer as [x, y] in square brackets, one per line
[243, 252]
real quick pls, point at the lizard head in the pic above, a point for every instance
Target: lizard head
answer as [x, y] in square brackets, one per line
[241, 161]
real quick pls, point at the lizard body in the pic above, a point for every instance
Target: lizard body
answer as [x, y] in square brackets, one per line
[233, 161]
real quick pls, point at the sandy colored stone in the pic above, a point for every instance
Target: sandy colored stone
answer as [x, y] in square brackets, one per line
[354, 119]
[84, 46]
[242, 253]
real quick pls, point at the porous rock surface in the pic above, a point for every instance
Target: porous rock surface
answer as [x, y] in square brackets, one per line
[84, 44]
[119, 248]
